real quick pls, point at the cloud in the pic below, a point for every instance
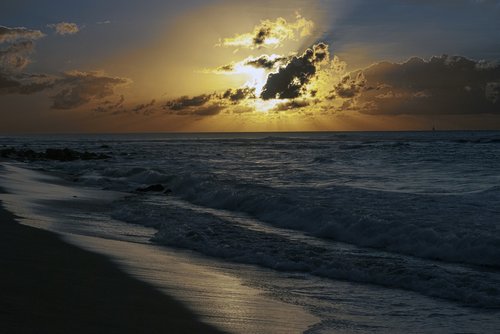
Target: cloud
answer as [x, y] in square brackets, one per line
[266, 62]
[209, 104]
[25, 84]
[111, 106]
[289, 82]
[493, 91]
[65, 28]
[349, 87]
[292, 104]
[441, 85]
[210, 110]
[79, 88]
[270, 34]
[203, 109]
[228, 68]
[19, 33]
[17, 45]
[73, 88]
[144, 108]
[236, 95]
[16, 55]
[185, 102]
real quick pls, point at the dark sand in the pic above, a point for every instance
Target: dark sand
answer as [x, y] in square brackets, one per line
[49, 286]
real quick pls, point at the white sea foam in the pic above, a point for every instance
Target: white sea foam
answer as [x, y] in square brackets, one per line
[447, 227]
[241, 239]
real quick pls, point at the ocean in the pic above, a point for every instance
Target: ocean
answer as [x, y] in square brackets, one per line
[369, 232]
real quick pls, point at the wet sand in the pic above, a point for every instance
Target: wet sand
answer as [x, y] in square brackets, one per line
[216, 292]
[49, 286]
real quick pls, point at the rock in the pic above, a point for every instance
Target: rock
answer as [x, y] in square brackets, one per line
[24, 154]
[167, 191]
[7, 152]
[152, 188]
[65, 154]
[93, 156]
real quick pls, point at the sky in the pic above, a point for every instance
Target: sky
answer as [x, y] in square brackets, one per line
[297, 65]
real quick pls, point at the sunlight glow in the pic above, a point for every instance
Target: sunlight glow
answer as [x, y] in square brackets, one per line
[258, 78]
[266, 105]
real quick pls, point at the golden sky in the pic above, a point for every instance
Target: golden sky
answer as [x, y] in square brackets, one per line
[228, 66]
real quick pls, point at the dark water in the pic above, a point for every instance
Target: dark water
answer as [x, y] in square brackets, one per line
[411, 211]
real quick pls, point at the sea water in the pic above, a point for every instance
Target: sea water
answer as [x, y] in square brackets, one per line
[368, 231]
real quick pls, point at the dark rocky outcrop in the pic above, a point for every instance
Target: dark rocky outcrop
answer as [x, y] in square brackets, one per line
[152, 188]
[65, 154]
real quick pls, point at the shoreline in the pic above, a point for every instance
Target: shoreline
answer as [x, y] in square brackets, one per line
[50, 286]
[213, 293]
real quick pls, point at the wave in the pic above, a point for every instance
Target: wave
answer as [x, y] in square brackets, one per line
[455, 228]
[478, 141]
[235, 238]
[449, 228]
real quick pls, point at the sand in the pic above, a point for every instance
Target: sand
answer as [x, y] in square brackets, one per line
[49, 286]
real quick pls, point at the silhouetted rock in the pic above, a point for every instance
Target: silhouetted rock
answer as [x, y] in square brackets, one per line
[152, 188]
[65, 154]
[24, 154]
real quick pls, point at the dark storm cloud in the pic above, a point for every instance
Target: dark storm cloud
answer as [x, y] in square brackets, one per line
[441, 85]
[289, 81]
[265, 61]
[79, 88]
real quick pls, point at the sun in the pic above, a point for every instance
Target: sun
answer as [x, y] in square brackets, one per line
[257, 77]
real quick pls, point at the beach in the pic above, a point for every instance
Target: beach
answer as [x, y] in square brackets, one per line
[49, 286]
[64, 275]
